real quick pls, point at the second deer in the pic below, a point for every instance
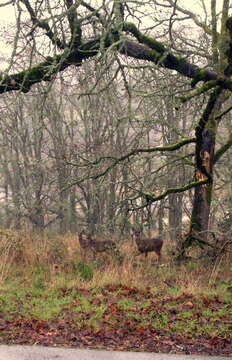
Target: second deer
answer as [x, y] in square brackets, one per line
[146, 245]
[87, 242]
[101, 245]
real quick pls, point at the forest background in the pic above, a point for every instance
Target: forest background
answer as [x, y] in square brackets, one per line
[82, 149]
[115, 117]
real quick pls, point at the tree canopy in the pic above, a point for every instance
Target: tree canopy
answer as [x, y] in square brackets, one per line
[75, 31]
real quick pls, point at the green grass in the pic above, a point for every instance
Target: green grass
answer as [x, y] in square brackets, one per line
[116, 306]
[62, 287]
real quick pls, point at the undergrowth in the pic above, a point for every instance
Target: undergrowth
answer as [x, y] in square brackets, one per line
[49, 261]
[51, 292]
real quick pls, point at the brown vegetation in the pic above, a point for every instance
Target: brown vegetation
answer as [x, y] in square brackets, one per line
[51, 251]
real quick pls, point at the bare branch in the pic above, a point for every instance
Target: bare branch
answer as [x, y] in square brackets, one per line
[43, 25]
[223, 150]
[192, 16]
[73, 23]
[8, 3]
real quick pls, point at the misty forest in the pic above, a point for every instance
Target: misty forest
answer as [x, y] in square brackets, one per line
[116, 142]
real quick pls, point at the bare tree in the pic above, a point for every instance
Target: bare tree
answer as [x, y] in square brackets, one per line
[112, 32]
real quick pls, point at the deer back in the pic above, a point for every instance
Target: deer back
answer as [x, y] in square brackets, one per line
[100, 245]
[146, 244]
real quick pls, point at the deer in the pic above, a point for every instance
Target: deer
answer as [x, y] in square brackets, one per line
[99, 245]
[84, 240]
[146, 245]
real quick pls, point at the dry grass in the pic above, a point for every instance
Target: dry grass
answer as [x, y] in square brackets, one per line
[59, 260]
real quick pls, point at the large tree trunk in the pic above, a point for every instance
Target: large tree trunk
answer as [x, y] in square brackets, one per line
[199, 224]
[205, 134]
[203, 193]
[201, 211]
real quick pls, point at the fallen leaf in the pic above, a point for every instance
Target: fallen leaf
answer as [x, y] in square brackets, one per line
[189, 304]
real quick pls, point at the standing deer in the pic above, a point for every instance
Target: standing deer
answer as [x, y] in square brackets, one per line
[99, 245]
[84, 240]
[146, 245]
[87, 242]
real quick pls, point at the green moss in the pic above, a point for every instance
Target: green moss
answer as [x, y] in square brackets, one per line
[199, 77]
[155, 55]
[151, 42]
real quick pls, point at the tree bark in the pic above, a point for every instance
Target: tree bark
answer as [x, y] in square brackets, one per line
[205, 152]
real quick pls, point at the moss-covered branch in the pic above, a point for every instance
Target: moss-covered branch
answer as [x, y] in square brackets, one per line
[201, 90]
[162, 56]
[116, 161]
[223, 150]
[150, 198]
[45, 71]
[156, 53]
[126, 157]
[147, 49]
[223, 113]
